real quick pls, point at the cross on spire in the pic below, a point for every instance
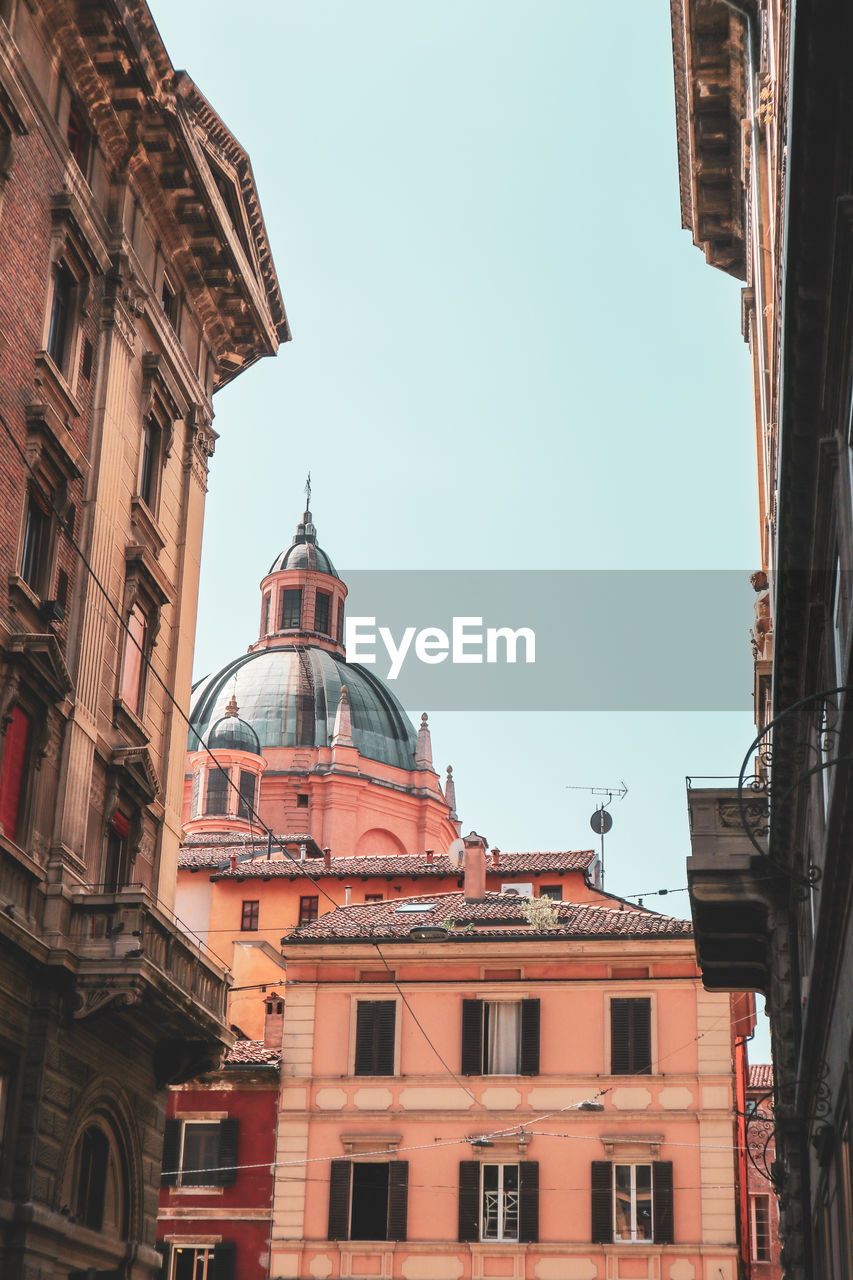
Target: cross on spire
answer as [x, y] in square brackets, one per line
[308, 492]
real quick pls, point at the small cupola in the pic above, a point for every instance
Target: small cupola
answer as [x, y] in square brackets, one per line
[302, 597]
[226, 777]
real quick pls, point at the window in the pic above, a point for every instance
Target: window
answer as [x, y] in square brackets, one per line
[36, 549]
[291, 608]
[117, 858]
[632, 1203]
[267, 604]
[499, 1201]
[169, 302]
[322, 600]
[302, 800]
[94, 1158]
[751, 1106]
[368, 1201]
[60, 323]
[133, 666]
[246, 802]
[250, 916]
[13, 772]
[373, 897]
[148, 463]
[630, 1037]
[196, 789]
[759, 1214]
[216, 796]
[552, 891]
[202, 1261]
[375, 1026]
[309, 909]
[500, 1037]
[200, 1153]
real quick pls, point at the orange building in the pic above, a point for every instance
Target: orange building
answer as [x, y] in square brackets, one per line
[469, 1091]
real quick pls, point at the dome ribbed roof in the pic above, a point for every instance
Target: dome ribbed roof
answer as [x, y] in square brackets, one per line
[232, 733]
[289, 696]
[304, 555]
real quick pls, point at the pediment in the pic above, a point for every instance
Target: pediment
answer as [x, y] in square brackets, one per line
[138, 772]
[42, 657]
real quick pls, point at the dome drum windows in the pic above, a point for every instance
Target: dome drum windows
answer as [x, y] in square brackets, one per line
[225, 789]
[290, 611]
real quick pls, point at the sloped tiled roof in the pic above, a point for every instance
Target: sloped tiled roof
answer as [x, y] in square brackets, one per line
[388, 866]
[251, 1052]
[761, 1075]
[496, 916]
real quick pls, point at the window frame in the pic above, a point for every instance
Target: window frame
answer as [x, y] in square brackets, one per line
[174, 1146]
[377, 1051]
[341, 1200]
[216, 777]
[603, 1201]
[501, 1207]
[285, 598]
[475, 1039]
[247, 805]
[756, 1253]
[133, 673]
[326, 596]
[250, 919]
[610, 1035]
[634, 1166]
[35, 567]
[309, 908]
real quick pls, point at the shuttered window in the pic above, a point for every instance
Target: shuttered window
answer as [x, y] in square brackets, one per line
[368, 1200]
[630, 1036]
[499, 1201]
[632, 1203]
[374, 1037]
[500, 1037]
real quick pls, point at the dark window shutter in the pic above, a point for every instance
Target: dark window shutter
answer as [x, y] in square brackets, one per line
[339, 1189]
[619, 1038]
[469, 1195]
[374, 1037]
[398, 1199]
[602, 1202]
[472, 1041]
[530, 1037]
[641, 1037]
[163, 1250]
[226, 1174]
[171, 1154]
[528, 1200]
[664, 1227]
[223, 1260]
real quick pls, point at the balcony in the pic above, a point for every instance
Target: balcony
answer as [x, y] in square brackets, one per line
[128, 951]
[731, 887]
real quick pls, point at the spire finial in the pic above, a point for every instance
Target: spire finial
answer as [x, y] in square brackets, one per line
[423, 748]
[450, 793]
[308, 492]
[232, 709]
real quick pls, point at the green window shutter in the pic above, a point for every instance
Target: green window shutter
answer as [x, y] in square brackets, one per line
[530, 1037]
[469, 1200]
[398, 1199]
[472, 1037]
[339, 1193]
[664, 1225]
[602, 1202]
[226, 1174]
[528, 1200]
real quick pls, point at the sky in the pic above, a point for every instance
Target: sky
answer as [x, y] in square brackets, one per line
[506, 355]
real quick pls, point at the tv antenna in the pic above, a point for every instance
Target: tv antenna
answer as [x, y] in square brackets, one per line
[602, 820]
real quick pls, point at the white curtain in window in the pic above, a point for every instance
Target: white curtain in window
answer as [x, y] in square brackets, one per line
[504, 1038]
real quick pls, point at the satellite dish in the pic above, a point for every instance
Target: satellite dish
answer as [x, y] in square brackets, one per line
[456, 852]
[601, 822]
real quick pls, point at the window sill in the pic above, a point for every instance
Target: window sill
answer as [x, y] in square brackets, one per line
[196, 1191]
[146, 526]
[49, 373]
[22, 858]
[19, 588]
[130, 724]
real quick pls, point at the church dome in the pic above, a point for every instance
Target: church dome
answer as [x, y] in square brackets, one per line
[288, 698]
[231, 733]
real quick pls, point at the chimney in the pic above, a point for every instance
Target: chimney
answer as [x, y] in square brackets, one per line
[496, 855]
[232, 861]
[429, 855]
[347, 894]
[475, 867]
[273, 1021]
[327, 858]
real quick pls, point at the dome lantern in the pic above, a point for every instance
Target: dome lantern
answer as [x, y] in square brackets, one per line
[302, 597]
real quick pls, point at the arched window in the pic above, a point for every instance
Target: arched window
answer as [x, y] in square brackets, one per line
[96, 1192]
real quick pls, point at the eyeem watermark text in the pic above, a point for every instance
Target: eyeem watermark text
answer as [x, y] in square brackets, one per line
[468, 641]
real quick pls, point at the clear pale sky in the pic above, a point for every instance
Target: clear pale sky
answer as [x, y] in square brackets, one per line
[506, 354]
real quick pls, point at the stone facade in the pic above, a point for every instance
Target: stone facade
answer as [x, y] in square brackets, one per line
[137, 279]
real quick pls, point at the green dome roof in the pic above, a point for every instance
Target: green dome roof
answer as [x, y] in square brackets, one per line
[289, 696]
[231, 733]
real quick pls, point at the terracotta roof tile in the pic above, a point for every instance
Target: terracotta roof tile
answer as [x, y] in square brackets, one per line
[389, 866]
[497, 916]
[761, 1075]
[244, 1052]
